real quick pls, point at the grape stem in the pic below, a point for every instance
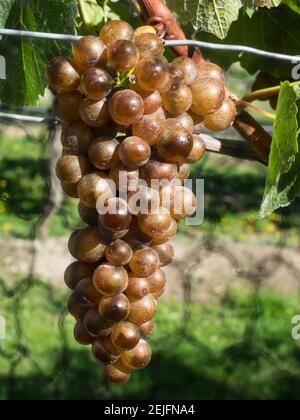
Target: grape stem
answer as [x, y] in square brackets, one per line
[263, 94]
[165, 21]
[244, 104]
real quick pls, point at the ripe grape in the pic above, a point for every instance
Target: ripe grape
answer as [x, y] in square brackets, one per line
[165, 252]
[70, 168]
[96, 325]
[135, 236]
[114, 375]
[116, 30]
[102, 355]
[76, 138]
[153, 74]
[110, 347]
[146, 29]
[70, 189]
[86, 245]
[184, 170]
[210, 71]
[158, 170]
[222, 119]
[189, 68]
[149, 44]
[87, 289]
[96, 83]
[157, 283]
[125, 335]
[62, 76]
[110, 280]
[197, 151]
[167, 235]
[94, 113]
[208, 96]
[146, 329]
[174, 142]
[142, 310]
[177, 75]
[125, 179]
[134, 152]
[152, 100]
[144, 262]
[150, 126]
[88, 52]
[143, 200]
[103, 152]
[78, 306]
[117, 216]
[91, 187]
[81, 335]
[66, 106]
[184, 204]
[115, 308]
[155, 223]
[123, 55]
[178, 99]
[138, 287]
[88, 215]
[126, 107]
[186, 121]
[139, 357]
[77, 271]
[108, 235]
[118, 253]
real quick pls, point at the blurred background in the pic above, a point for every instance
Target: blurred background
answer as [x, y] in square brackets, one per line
[223, 329]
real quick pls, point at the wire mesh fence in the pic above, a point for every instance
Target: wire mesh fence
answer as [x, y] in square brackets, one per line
[187, 363]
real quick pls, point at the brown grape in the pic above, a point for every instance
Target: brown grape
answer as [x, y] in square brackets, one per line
[103, 152]
[81, 336]
[66, 106]
[125, 179]
[184, 170]
[139, 357]
[123, 55]
[157, 283]
[155, 223]
[70, 168]
[126, 107]
[153, 74]
[86, 245]
[177, 75]
[70, 189]
[76, 138]
[165, 252]
[210, 71]
[87, 289]
[125, 335]
[88, 52]
[135, 236]
[144, 262]
[134, 152]
[186, 121]
[94, 113]
[223, 118]
[167, 235]
[174, 142]
[115, 308]
[189, 68]
[96, 83]
[91, 187]
[184, 205]
[78, 306]
[108, 235]
[142, 310]
[208, 96]
[150, 126]
[116, 30]
[146, 329]
[117, 216]
[114, 375]
[110, 280]
[143, 200]
[88, 215]
[178, 99]
[77, 271]
[138, 287]
[197, 151]
[62, 76]
[146, 29]
[110, 347]
[102, 355]
[152, 100]
[118, 253]
[96, 325]
[158, 170]
[149, 44]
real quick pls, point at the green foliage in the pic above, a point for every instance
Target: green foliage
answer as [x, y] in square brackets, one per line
[294, 5]
[283, 178]
[5, 8]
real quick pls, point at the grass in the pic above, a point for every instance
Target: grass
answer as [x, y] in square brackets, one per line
[241, 349]
[232, 197]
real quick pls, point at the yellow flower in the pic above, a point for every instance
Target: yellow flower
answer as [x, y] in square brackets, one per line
[6, 227]
[3, 183]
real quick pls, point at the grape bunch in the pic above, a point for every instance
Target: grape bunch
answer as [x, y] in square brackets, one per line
[128, 116]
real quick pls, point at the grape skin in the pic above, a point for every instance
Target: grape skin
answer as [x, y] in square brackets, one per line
[67, 105]
[62, 76]
[126, 107]
[96, 83]
[153, 74]
[103, 152]
[123, 55]
[94, 113]
[134, 152]
[189, 68]
[178, 99]
[222, 119]
[208, 96]
[116, 30]
[88, 52]
[149, 127]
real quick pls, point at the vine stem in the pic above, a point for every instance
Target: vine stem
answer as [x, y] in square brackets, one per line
[256, 108]
[267, 93]
[163, 19]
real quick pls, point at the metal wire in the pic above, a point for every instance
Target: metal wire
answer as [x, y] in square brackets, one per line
[173, 43]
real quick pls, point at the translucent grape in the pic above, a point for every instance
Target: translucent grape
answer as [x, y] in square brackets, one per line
[110, 280]
[67, 105]
[96, 83]
[102, 355]
[115, 308]
[178, 99]
[118, 253]
[210, 71]
[94, 113]
[134, 152]
[123, 55]
[77, 271]
[165, 252]
[149, 127]
[149, 44]
[157, 283]
[222, 119]
[139, 357]
[126, 107]
[91, 187]
[144, 262]
[88, 52]
[174, 142]
[115, 30]
[208, 96]
[153, 74]
[76, 138]
[142, 310]
[117, 216]
[103, 152]
[138, 287]
[86, 245]
[62, 76]
[189, 68]
[70, 169]
[125, 335]
[81, 335]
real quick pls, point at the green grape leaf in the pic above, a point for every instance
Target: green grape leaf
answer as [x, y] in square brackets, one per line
[26, 58]
[91, 11]
[5, 8]
[293, 4]
[212, 16]
[274, 30]
[283, 177]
